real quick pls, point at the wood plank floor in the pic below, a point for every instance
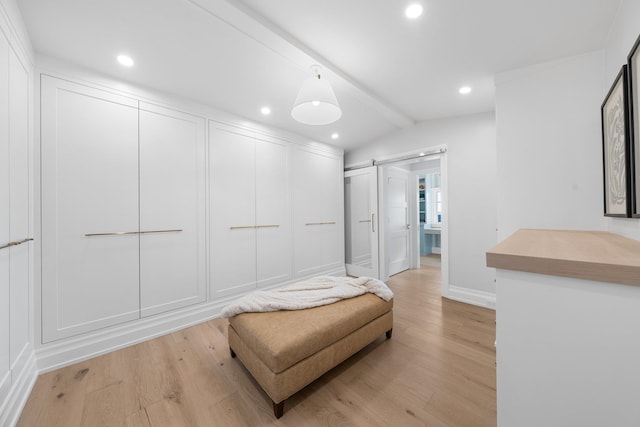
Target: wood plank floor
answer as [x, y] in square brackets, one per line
[437, 370]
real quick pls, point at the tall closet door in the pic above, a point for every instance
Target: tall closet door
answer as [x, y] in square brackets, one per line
[233, 214]
[318, 211]
[19, 205]
[5, 370]
[172, 209]
[90, 247]
[273, 213]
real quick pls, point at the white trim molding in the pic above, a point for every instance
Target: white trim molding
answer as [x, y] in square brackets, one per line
[22, 384]
[472, 296]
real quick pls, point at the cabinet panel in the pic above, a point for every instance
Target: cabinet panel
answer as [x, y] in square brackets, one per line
[19, 190]
[273, 208]
[318, 212]
[89, 149]
[233, 216]
[172, 180]
[5, 372]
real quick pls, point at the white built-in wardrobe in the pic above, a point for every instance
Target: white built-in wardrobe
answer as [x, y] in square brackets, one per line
[17, 365]
[153, 218]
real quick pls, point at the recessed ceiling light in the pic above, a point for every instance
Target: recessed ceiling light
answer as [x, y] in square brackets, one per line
[464, 90]
[413, 11]
[265, 110]
[335, 136]
[125, 60]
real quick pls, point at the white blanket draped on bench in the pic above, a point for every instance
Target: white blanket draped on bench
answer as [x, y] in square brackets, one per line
[309, 293]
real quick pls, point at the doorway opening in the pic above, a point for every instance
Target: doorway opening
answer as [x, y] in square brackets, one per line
[390, 224]
[425, 220]
[430, 214]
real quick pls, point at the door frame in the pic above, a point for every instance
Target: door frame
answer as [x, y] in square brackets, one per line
[413, 207]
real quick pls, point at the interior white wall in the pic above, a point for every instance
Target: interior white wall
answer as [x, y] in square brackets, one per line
[549, 151]
[471, 163]
[549, 156]
[624, 32]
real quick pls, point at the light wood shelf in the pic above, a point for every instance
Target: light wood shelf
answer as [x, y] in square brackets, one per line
[590, 255]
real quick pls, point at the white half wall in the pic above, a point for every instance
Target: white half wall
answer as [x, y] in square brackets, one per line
[565, 356]
[471, 163]
[624, 32]
[549, 149]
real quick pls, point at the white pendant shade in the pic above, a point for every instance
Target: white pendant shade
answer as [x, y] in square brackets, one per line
[316, 103]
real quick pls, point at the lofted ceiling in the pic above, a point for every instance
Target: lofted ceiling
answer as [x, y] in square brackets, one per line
[388, 72]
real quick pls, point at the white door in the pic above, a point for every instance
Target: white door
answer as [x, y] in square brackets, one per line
[318, 212]
[398, 237]
[89, 163]
[273, 213]
[172, 209]
[19, 205]
[361, 216]
[5, 371]
[233, 211]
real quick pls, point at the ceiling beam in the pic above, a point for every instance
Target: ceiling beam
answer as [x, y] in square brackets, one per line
[258, 28]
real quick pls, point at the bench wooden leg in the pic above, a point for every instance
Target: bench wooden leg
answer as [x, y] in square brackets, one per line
[278, 409]
[389, 332]
[233, 353]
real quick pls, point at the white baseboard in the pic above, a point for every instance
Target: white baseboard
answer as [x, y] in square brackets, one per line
[67, 351]
[22, 384]
[472, 296]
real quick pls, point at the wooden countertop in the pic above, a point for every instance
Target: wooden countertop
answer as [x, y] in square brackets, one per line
[589, 255]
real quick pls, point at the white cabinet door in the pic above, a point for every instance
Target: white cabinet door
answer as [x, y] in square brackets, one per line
[172, 209]
[318, 211]
[89, 164]
[5, 371]
[273, 213]
[20, 230]
[233, 214]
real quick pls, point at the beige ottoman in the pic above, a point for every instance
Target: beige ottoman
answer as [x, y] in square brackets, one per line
[287, 350]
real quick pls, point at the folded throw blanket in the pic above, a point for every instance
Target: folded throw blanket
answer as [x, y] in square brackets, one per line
[314, 292]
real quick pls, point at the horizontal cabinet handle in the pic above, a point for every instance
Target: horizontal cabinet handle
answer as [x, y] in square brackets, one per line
[321, 223]
[113, 233]
[176, 230]
[125, 233]
[246, 227]
[16, 243]
[365, 220]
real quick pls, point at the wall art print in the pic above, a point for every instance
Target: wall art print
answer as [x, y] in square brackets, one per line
[615, 148]
[633, 69]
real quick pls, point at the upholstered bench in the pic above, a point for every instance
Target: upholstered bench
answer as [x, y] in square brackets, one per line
[287, 350]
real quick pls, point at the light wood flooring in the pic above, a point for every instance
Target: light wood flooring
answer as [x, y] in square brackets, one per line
[438, 369]
[431, 260]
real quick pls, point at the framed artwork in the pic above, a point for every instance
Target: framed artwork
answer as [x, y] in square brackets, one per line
[633, 69]
[615, 148]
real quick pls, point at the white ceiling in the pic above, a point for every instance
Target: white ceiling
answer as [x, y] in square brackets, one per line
[388, 72]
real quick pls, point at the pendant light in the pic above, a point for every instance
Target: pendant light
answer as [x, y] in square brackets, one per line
[316, 103]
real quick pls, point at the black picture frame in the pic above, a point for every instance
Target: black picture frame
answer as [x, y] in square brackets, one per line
[615, 148]
[633, 71]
